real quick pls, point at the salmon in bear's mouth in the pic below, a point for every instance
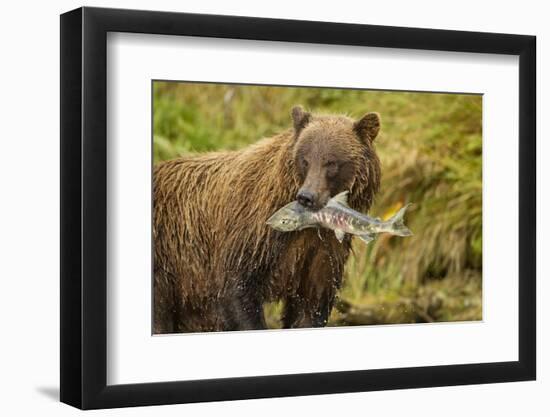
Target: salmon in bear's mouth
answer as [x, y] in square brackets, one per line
[339, 217]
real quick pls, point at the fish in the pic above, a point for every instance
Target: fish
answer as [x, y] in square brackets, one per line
[338, 216]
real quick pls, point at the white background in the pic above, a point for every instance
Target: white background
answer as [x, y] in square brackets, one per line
[30, 205]
[134, 356]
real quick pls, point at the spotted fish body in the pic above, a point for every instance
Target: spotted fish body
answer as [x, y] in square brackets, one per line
[339, 217]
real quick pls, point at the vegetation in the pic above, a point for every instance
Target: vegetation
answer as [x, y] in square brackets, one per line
[430, 148]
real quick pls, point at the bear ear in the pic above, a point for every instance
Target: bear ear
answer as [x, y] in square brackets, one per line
[300, 117]
[367, 127]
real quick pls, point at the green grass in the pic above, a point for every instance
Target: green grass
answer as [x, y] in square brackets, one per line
[430, 148]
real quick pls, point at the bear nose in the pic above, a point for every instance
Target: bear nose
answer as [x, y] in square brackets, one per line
[306, 198]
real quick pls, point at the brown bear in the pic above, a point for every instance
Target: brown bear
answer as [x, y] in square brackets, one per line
[216, 262]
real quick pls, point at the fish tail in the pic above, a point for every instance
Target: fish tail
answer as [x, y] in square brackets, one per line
[397, 223]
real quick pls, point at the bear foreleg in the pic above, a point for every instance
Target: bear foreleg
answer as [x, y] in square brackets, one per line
[244, 308]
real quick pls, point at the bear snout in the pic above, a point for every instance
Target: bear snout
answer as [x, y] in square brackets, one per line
[306, 198]
[311, 199]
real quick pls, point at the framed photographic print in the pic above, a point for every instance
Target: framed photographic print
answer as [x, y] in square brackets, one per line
[257, 208]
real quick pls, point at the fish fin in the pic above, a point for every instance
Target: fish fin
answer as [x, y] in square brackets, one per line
[398, 227]
[367, 237]
[339, 235]
[341, 198]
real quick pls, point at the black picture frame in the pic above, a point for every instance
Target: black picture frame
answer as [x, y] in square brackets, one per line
[84, 207]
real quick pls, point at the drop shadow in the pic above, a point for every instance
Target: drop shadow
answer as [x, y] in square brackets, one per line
[50, 392]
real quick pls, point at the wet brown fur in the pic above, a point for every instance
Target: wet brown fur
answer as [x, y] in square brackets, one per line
[216, 261]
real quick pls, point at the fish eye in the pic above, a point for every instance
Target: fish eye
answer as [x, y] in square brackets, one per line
[285, 221]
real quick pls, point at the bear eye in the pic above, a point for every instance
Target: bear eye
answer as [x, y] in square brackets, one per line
[305, 163]
[332, 168]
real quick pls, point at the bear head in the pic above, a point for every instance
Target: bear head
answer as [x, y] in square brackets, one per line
[331, 153]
